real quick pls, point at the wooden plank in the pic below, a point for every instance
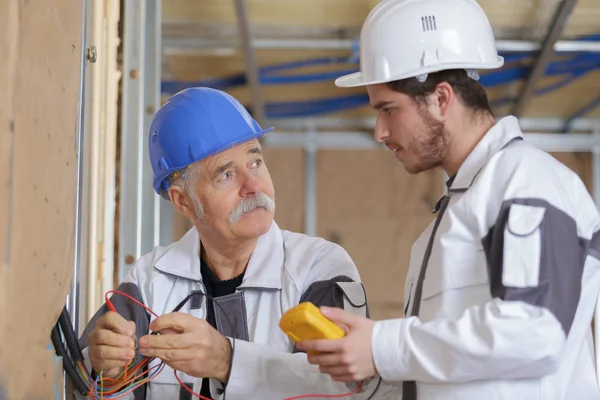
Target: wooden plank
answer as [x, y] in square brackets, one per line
[40, 68]
[337, 13]
[510, 18]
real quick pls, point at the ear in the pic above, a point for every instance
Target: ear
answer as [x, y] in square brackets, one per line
[182, 202]
[441, 100]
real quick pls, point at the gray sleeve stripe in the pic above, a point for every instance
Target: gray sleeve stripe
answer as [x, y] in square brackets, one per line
[555, 253]
[126, 308]
[594, 245]
[131, 312]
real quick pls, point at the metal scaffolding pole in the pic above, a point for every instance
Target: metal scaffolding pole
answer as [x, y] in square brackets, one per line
[336, 123]
[564, 10]
[310, 183]
[551, 142]
[252, 73]
[140, 206]
[73, 297]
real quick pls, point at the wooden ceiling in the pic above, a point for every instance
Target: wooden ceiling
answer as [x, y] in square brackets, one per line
[342, 19]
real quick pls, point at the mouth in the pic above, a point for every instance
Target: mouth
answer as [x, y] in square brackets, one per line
[255, 210]
[396, 150]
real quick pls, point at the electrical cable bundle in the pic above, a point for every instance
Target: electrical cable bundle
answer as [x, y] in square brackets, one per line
[100, 387]
[135, 375]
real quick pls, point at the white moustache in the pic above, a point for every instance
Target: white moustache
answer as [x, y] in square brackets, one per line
[250, 203]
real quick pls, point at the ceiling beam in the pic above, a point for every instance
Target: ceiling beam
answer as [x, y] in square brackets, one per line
[563, 11]
[551, 142]
[252, 73]
[527, 124]
[172, 45]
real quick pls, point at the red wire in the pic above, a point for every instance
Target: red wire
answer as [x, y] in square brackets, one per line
[112, 307]
[304, 396]
[188, 389]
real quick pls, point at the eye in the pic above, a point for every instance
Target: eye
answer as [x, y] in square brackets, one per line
[257, 163]
[388, 111]
[226, 176]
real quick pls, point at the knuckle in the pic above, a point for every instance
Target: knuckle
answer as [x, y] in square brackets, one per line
[172, 340]
[101, 352]
[170, 354]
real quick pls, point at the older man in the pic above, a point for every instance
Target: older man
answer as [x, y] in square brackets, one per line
[231, 277]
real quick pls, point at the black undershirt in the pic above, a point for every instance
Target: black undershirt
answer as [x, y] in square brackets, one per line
[215, 288]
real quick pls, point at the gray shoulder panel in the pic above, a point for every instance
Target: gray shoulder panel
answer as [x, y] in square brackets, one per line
[340, 291]
[131, 312]
[534, 255]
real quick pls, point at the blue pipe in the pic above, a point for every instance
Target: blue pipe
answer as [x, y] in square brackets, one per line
[574, 66]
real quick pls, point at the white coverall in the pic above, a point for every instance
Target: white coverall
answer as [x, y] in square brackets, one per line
[284, 269]
[509, 285]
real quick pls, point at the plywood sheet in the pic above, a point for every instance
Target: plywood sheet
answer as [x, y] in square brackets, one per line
[580, 163]
[286, 167]
[375, 210]
[39, 69]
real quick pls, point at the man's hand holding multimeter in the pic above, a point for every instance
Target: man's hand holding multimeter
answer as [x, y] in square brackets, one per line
[305, 322]
[348, 358]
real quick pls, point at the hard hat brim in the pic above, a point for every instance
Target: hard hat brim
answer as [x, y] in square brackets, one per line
[356, 79]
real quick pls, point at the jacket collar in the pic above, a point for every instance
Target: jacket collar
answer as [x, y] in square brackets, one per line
[499, 135]
[182, 259]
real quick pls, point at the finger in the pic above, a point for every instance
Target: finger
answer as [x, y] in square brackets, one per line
[133, 328]
[335, 370]
[180, 322]
[322, 345]
[340, 316]
[168, 355]
[116, 323]
[325, 359]
[344, 327]
[109, 338]
[168, 341]
[111, 353]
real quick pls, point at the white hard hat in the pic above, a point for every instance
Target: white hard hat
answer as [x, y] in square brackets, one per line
[411, 38]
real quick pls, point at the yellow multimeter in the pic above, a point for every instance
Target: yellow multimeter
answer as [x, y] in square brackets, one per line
[305, 322]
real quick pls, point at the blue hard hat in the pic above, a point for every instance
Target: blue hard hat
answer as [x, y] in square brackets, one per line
[192, 125]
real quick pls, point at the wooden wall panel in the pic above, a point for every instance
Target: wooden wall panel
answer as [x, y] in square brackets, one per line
[39, 70]
[580, 163]
[373, 208]
[286, 167]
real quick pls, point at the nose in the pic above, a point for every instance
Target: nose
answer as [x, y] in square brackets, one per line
[250, 185]
[381, 131]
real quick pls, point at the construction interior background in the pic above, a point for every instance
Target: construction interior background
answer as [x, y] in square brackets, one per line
[82, 79]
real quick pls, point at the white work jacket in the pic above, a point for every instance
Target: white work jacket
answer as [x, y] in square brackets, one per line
[284, 269]
[509, 283]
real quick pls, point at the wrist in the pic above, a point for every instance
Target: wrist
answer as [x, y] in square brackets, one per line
[225, 359]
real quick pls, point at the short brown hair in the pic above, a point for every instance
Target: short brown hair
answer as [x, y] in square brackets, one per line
[471, 92]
